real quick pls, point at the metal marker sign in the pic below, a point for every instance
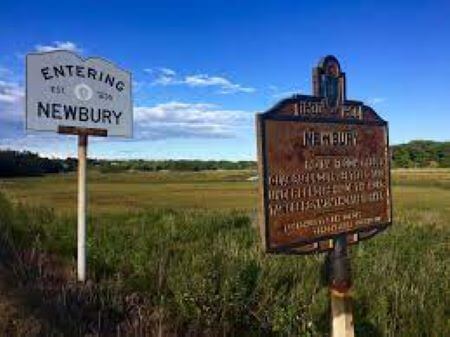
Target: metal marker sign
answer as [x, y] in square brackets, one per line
[324, 167]
[65, 92]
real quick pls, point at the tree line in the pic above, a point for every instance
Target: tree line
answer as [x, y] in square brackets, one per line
[171, 165]
[418, 153]
[421, 153]
[25, 163]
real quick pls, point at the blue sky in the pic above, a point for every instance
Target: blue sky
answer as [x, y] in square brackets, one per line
[201, 69]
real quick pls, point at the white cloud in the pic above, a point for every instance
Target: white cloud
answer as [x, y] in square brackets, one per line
[4, 72]
[167, 71]
[163, 76]
[10, 92]
[59, 45]
[46, 144]
[11, 101]
[167, 76]
[376, 100]
[161, 70]
[226, 86]
[186, 113]
[277, 92]
[286, 94]
[171, 120]
[185, 120]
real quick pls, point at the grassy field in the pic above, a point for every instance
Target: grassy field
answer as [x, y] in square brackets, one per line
[119, 192]
[122, 192]
[177, 254]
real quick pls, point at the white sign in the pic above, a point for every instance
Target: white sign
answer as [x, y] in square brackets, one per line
[64, 90]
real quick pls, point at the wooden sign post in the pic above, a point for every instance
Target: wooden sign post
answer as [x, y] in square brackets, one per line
[340, 284]
[85, 97]
[82, 203]
[324, 178]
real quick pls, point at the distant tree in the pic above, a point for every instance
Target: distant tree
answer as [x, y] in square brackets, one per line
[421, 153]
[15, 163]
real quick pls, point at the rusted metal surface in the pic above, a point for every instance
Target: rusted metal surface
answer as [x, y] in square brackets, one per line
[338, 266]
[324, 166]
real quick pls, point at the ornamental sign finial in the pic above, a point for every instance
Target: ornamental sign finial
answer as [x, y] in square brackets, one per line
[329, 82]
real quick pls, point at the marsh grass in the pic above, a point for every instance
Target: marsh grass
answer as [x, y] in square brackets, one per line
[200, 272]
[137, 191]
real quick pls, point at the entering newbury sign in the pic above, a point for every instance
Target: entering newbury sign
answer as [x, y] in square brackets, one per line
[65, 92]
[84, 97]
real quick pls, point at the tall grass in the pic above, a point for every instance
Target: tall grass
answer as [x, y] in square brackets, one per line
[202, 273]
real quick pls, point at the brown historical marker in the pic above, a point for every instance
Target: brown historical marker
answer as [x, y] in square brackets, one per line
[324, 168]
